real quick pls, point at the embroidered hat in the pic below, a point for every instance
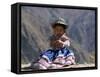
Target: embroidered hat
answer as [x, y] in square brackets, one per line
[60, 22]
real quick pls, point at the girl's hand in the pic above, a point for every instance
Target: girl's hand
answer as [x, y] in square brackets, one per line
[56, 44]
[59, 43]
[64, 38]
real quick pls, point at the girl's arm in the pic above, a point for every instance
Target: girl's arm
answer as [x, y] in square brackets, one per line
[56, 44]
[65, 40]
[65, 43]
[52, 43]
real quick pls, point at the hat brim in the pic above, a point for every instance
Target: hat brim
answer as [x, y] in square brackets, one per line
[65, 26]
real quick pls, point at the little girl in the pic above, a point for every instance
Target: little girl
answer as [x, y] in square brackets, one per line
[59, 52]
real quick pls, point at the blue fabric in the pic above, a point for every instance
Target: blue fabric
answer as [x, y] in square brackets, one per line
[52, 54]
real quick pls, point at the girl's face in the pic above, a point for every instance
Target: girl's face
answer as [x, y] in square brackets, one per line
[58, 31]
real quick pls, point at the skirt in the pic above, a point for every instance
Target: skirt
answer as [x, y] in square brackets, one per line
[51, 54]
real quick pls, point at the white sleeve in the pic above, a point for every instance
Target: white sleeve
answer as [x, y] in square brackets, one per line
[67, 43]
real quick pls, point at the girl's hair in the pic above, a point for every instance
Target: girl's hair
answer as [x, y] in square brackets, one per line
[62, 25]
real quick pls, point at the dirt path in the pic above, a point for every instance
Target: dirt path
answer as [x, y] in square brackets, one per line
[26, 67]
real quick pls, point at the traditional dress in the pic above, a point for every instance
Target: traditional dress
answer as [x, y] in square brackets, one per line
[62, 55]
